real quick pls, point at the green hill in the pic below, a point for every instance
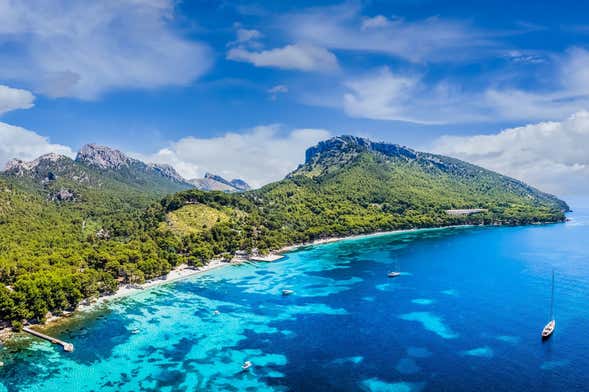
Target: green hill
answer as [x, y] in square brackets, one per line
[350, 185]
[72, 229]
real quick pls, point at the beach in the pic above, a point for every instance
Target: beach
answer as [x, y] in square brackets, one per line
[184, 271]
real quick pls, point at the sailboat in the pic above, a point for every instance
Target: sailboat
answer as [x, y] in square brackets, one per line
[551, 326]
[394, 274]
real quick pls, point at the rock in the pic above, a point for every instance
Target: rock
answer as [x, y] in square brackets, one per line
[103, 157]
[214, 182]
[166, 171]
[64, 195]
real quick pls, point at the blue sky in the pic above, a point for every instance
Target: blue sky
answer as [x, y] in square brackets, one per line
[242, 88]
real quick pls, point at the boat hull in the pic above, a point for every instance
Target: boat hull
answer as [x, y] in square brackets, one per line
[548, 330]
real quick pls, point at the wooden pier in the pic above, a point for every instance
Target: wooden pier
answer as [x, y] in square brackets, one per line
[66, 346]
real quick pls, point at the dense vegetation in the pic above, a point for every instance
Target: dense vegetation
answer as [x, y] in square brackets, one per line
[58, 252]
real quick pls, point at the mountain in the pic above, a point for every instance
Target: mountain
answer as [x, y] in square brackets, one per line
[213, 182]
[73, 229]
[154, 177]
[350, 185]
[99, 175]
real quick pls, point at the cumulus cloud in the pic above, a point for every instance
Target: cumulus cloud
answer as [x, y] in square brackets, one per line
[302, 57]
[84, 49]
[550, 155]
[343, 27]
[17, 142]
[259, 156]
[14, 98]
[383, 95]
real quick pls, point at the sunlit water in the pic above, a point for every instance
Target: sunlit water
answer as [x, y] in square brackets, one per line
[465, 315]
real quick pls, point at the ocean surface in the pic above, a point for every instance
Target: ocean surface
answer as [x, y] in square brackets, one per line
[465, 315]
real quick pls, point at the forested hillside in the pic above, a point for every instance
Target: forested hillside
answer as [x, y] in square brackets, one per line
[75, 229]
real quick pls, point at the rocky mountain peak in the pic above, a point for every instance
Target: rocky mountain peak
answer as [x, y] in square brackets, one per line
[214, 182]
[103, 157]
[18, 166]
[166, 170]
[347, 144]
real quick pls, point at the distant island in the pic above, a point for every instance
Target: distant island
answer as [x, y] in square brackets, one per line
[72, 229]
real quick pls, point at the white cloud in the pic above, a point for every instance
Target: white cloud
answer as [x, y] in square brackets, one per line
[17, 142]
[382, 95]
[343, 27]
[259, 156]
[302, 57]
[550, 155]
[278, 89]
[375, 22]
[84, 49]
[247, 35]
[14, 98]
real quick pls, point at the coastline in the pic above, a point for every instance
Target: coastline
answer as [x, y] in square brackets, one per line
[180, 272]
[329, 240]
[183, 271]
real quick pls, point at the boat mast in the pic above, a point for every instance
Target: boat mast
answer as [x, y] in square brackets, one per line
[552, 299]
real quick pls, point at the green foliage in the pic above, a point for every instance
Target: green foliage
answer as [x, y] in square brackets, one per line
[54, 253]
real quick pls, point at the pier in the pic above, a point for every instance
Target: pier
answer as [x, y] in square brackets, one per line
[66, 346]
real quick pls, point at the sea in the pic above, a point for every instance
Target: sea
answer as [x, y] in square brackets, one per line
[465, 314]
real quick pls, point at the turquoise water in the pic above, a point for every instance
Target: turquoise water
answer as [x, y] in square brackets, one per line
[465, 315]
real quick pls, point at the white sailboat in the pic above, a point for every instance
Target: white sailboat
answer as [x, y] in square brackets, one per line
[551, 326]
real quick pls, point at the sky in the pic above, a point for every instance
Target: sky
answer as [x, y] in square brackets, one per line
[241, 89]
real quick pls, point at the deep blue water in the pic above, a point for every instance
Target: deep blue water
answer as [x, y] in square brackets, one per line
[465, 315]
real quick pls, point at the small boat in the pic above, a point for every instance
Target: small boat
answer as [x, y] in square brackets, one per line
[551, 326]
[135, 331]
[394, 274]
[216, 312]
[246, 365]
[287, 292]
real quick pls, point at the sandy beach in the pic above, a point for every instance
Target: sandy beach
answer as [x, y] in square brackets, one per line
[181, 272]
[184, 272]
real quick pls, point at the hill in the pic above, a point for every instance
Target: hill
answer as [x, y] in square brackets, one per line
[349, 185]
[72, 229]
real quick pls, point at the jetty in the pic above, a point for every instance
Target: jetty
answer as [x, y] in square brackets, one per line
[66, 346]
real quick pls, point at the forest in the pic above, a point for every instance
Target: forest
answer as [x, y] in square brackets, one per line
[55, 253]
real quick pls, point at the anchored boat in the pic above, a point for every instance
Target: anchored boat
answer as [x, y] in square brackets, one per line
[394, 274]
[551, 326]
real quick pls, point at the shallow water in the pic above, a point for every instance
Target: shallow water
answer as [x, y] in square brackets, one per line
[465, 315]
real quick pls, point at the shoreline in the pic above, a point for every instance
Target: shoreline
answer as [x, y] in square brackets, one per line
[183, 271]
[329, 240]
[180, 272]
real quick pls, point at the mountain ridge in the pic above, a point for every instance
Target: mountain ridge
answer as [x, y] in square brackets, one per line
[70, 231]
[214, 182]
